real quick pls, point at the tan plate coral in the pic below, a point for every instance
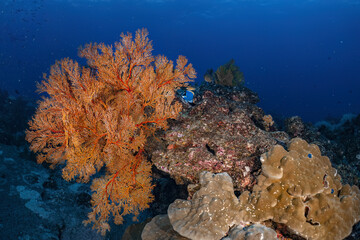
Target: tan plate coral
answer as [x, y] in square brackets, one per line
[297, 187]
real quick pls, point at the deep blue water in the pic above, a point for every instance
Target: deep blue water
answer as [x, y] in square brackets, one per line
[301, 57]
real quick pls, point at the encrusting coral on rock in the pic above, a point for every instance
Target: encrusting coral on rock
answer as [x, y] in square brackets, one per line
[218, 134]
[297, 187]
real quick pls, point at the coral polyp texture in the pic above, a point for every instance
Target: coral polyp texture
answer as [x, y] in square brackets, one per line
[203, 217]
[217, 135]
[300, 189]
[297, 188]
[100, 115]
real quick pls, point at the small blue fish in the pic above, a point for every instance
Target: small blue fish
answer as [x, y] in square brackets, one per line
[189, 95]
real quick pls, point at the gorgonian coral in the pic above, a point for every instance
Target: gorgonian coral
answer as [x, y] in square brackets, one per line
[101, 115]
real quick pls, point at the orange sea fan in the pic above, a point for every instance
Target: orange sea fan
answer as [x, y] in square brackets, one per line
[101, 115]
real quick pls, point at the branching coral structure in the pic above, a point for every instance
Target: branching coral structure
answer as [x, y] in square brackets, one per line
[100, 116]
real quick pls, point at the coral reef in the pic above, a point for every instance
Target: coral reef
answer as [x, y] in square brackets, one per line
[212, 211]
[100, 117]
[297, 188]
[268, 122]
[346, 134]
[159, 228]
[36, 203]
[252, 232]
[217, 134]
[295, 127]
[238, 94]
[337, 139]
[226, 75]
[15, 112]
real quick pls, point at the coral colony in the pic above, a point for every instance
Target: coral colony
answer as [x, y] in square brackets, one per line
[243, 175]
[291, 190]
[101, 115]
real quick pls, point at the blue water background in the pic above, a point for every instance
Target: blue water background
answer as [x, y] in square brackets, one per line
[301, 57]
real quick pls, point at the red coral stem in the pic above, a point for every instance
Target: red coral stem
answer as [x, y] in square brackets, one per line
[153, 121]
